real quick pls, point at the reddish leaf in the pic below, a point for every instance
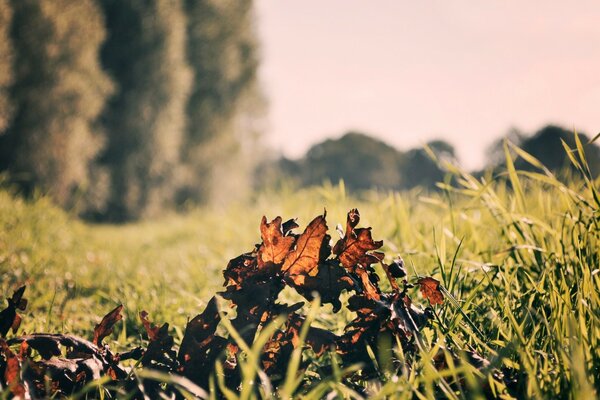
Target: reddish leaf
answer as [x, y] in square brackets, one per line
[151, 330]
[105, 327]
[12, 372]
[159, 350]
[275, 246]
[304, 259]
[430, 288]
[356, 244]
[369, 287]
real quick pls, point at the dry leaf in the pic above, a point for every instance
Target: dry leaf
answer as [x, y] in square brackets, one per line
[105, 327]
[430, 288]
[275, 246]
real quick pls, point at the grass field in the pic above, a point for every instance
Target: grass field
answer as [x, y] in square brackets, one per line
[521, 255]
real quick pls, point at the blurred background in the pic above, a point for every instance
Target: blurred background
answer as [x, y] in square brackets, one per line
[127, 109]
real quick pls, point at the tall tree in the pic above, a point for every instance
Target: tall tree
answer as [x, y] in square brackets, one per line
[59, 91]
[225, 105]
[6, 63]
[145, 121]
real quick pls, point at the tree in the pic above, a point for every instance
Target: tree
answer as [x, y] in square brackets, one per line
[419, 169]
[546, 146]
[6, 63]
[145, 121]
[225, 106]
[59, 91]
[360, 160]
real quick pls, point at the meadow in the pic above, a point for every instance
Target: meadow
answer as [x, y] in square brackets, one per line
[518, 256]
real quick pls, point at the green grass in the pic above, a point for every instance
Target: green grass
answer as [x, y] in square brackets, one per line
[520, 255]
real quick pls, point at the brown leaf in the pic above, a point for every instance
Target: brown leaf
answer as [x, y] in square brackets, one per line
[275, 246]
[9, 319]
[430, 288]
[304, 259]
[200, 346]
[330, 281]
[105, 327]
[151, 330]
[16, 323]
[160, 347]
[12, 372]
[369, 284]
[240, 269]
[356, 244]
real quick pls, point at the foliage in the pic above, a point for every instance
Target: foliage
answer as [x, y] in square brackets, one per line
[225, 104]
[145, 121]
[516, 264]
[6, 64]
[58, 92]
[363, 162]
[546, 145]
[182, 120]
[253, 282]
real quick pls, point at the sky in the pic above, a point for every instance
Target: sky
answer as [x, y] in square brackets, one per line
[408, 72]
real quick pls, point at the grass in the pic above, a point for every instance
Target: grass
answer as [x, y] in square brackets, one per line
[519, 258]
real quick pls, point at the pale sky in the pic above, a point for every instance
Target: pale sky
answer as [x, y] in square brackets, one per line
[410, 71]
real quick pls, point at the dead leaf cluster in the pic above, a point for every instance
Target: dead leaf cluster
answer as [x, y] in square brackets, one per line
[42, 365]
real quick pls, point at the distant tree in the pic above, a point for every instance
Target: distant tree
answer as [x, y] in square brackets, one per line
[6, 64]
[419, 169]
[360, 160]
[145, 121]
[495, 152]
[547, 147]
[225, 105]
[59, 91]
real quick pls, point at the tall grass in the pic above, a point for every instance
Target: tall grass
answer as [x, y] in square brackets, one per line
[518, 255]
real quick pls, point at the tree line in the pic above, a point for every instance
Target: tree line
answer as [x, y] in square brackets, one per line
[364, 162]
[121, 108]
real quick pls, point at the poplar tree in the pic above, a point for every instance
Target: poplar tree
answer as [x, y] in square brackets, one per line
[225, 107]
[6, 63]
[145, 121]
[59, 90]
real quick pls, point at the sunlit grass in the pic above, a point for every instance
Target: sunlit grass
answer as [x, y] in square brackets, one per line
[519, 256]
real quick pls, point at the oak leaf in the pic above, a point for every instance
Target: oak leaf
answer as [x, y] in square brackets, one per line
[356, 244]
[12, 372]
[105, 327]
[304, 259]
[430, 288]
[275, 246]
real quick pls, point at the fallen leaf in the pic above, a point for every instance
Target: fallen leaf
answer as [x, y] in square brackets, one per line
[356, 244]
[12, 372]
[304, 259]
[240, 269]
[105, 327]
[9, 319]
[275, 246]
[430, 288]
[328, 283]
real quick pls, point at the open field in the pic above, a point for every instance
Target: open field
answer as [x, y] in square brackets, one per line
[521, 257]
